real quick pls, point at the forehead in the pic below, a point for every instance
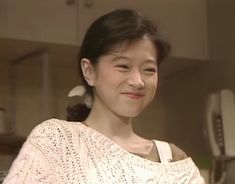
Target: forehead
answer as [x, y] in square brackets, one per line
[140, 51]
[127, 44]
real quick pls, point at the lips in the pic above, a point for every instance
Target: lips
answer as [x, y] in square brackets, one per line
[133, 95]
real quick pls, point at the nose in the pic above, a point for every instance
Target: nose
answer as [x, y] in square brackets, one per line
[135, 79]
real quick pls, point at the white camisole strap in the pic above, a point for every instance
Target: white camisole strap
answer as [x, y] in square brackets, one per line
[164, 151]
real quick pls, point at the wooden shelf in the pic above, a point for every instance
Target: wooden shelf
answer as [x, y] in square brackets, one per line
[10, 144]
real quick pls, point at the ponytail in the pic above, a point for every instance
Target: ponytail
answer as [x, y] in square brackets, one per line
[78, 112]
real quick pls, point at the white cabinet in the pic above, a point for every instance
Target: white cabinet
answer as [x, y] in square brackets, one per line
[39, 20]
[182, 21]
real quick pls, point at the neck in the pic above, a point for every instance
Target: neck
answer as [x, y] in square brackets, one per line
[108, 123]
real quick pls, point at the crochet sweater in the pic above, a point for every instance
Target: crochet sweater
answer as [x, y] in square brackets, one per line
[64, 152]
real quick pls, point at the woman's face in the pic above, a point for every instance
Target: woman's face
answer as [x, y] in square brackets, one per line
[125, 80]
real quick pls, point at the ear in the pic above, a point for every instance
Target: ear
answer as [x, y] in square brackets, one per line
[88, 71]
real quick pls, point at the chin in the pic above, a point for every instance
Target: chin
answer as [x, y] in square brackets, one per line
[130, 114]
[130, 111]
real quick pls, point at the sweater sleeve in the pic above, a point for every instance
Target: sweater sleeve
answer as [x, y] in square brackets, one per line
[31, 165]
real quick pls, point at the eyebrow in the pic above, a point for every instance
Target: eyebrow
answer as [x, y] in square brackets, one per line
[116, 58]
[151, 61]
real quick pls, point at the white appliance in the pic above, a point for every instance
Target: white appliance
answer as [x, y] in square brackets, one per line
[220, 131]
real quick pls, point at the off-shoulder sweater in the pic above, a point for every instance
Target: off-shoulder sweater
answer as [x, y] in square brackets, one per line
[62, 152]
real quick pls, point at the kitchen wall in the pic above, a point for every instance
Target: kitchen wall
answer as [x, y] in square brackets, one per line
[222, 37]
[222, 49]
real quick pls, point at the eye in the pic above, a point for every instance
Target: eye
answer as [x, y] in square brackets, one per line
[150, 70]
[122, 67]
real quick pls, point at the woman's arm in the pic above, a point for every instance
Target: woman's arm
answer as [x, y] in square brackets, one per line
[30, 166]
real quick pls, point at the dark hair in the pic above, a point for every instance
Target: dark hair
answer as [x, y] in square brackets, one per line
[77, 112]
[118, 27]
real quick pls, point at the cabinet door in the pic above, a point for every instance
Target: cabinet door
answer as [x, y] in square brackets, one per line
[182, 21]
[38, 20]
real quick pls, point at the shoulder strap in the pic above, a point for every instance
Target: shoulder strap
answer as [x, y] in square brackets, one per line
[164, 151]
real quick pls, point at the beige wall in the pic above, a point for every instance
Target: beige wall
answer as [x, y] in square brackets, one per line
[4, 84]
[152, 122]
[222, 37]
[29, 102]
[185, 96]
[222, 49]
[4, 159]
[29, 93]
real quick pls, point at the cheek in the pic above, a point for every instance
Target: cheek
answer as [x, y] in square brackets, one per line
[108, 77]
[152, 87]
[103, 75]
[152, 83]
[107, 84]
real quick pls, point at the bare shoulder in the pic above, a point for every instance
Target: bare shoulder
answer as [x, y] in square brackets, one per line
[177, 153]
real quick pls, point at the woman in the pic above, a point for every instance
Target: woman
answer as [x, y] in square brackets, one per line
[119, 61]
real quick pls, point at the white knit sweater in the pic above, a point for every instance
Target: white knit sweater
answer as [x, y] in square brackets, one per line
[64, 152]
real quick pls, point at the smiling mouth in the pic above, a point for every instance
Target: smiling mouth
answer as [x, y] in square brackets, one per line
[134, 95]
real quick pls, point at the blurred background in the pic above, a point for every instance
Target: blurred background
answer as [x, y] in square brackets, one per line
[39, 42]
